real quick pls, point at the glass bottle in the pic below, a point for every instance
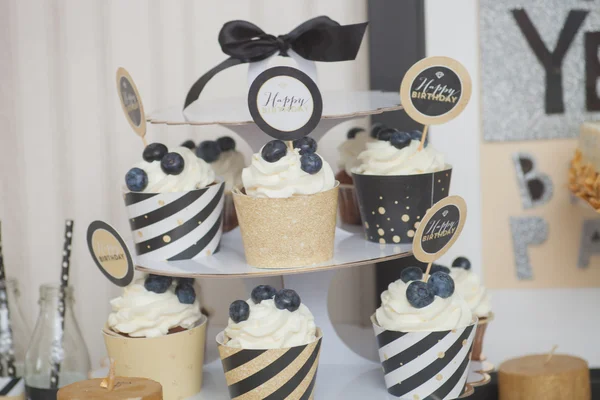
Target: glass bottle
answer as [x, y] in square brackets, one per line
[18, 329]
[46, 349]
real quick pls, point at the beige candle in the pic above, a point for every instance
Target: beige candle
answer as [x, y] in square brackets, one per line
[544, 376]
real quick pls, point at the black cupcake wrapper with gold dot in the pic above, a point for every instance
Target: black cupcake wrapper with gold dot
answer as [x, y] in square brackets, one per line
[392, 206]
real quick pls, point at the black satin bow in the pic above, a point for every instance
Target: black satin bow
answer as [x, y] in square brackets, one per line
[318, 39]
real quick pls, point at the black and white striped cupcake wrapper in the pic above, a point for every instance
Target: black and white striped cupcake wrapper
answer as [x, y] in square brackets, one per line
[425, 365]
[176, 226]
[274, 374]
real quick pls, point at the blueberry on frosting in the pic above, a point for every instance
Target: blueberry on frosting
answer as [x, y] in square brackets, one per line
[239, 311]
[154, 152]
[311, 163]
[262, 292]
[353, 132]
[273, 151]
[209, 151]
[157, 283]
[375, 128]
[136, 179]
[172, 164]
[306, 145]
[185, 293]
[419, 294]
[441, 284]
[189, 144]
[385, 134]
[226, 143]
[287, 299]
[417, 135]
[411, 274]
[462, 262]
[400, 140]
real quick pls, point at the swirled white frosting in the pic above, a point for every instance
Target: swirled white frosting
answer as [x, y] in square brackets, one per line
[469, 286]
[196, 174]
[381, 158]
[268, 327]
[229, 167]
[350, 149]
[141, 313]
[396, 313]
[284, 178]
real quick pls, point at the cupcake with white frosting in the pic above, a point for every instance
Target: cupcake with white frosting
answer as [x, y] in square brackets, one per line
[287, 207]
[228, 164]
[271, 342]
[397, 181]
[425, 332]
[469, 286]
[161, 316]
[174, 203]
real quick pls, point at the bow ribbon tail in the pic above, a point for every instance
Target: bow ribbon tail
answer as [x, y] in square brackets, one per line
[198, 86]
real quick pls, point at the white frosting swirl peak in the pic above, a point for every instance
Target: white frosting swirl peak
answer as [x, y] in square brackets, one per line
[381, 158]
[141, 313]
[469, 286]
[397, 314]
[284, 177]
[268, 327]
[350, 149]
[229, 167]
[196, 174]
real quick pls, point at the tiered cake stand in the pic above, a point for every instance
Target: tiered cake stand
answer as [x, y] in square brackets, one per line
[343, 374]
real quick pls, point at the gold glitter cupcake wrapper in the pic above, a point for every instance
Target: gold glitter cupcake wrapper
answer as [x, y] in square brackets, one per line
[175, 360]
[290, 232]
[425, 364]
[288, 373]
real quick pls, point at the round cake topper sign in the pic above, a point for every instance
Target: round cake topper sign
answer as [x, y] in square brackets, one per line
[435, 90]
[110, 253]
[285, 103]
[439, 229]
[131, 103]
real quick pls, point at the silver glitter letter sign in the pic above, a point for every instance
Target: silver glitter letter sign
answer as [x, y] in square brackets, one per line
[590, 242]
[526, 231]
[535, 187]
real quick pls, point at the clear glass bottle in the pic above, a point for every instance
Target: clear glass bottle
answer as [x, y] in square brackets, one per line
[19, 329]
[45, 348]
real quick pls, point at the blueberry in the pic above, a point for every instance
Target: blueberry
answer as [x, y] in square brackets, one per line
[411, 274]
[441, 284]
[439, 268]
[419, 294]
[185, 293]
[208, 150]
[262, 292]
[417, 135]
[172, 164]
[462, 262]
[400, 140]
[287, 299]
[136, 179]
[239, 311]
[375, 128]
[306, 145]
[189, 144]
[157, 283]
[311, 163]
[385, 134]
[226, 143]
[273, 151]
[353, 132]
[154, 152]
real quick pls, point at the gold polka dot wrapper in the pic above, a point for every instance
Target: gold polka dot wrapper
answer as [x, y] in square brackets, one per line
[174, 360]
[419, 365]
[392, 206]
[176, 225]
[287, 373]
[291, 232]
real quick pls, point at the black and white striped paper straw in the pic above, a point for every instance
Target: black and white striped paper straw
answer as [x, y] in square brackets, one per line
[6, 331]
[64, 283]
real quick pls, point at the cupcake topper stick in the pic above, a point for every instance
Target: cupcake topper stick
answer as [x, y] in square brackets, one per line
[550, 354]
[423, 137]
[5, 330]
[64, 283]
[131, 103]
[428, 270]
